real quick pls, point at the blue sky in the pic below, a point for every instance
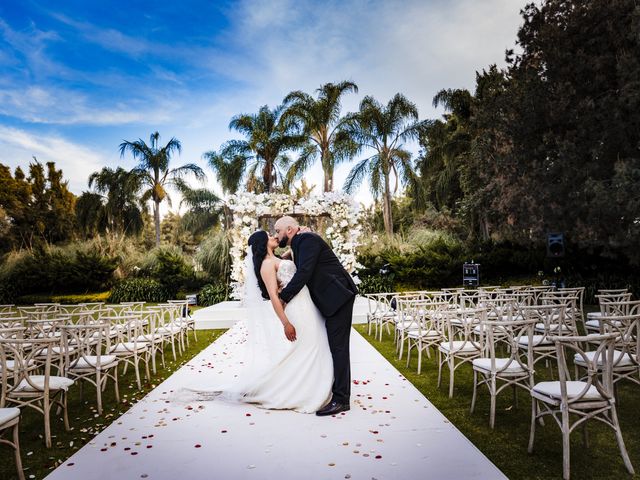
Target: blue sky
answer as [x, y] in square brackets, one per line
[77, 77]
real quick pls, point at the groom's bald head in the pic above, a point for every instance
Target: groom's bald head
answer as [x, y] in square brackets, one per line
[286, 228]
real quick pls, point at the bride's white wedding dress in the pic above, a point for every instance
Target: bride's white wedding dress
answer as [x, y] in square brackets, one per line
[302, 379]
[278, 374]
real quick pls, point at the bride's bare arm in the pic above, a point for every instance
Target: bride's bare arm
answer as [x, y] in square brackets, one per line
[268, 274]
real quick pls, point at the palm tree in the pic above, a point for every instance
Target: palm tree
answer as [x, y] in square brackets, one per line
[261, 156]
[382, 129]
[204, 208]
[114, 205]
[446, 145]
[154, 172]
[320, 121]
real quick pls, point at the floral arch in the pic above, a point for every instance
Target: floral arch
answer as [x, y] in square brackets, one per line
[343, 235]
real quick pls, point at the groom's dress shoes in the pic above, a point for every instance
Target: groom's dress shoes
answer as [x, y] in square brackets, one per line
[332, 408]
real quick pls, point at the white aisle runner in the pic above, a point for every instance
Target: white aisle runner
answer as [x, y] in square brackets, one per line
[391, 432]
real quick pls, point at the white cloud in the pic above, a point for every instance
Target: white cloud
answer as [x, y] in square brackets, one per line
[51, 105]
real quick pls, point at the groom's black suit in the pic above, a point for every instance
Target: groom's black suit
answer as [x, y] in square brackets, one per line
[333, 292]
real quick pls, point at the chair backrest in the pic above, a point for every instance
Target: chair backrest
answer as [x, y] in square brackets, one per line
[553, 317]
[511, 333]
[134, 306]
[460, 324]
[49, 327]
[611, 291]
[16, 332]
[93, 306]
[10, 322]
[599, 371]
[612, 308]
[30, 357]
[88, 340]
[130, 327]
[184, 307]
[8, 310]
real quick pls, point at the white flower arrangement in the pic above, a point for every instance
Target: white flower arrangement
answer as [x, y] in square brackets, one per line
[343, 235]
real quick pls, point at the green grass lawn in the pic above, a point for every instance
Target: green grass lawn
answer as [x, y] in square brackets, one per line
[506, 446]
[85, 422]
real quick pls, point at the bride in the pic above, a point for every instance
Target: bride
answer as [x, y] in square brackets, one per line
[277, 374]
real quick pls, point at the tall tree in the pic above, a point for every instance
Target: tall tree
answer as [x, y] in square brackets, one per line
[445, 146]
[114, 207]
[320, 121]
[261, 157]
[39, 207]
[567, 146]
[382, 130]
[203, 208]
[154, 172]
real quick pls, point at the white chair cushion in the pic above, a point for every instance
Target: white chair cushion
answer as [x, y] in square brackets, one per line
[552, 328]
[552, 389]
[8, 414]
[55, 351]
[620, 359]
[148, 339]
[485, 364]
[538, 340]
[406, 325]
[424, 334]
[594, 315]
[459, 346]
[11, 364]
[168, 329]
[55, 383]
[90, 362]
[592, 324]
[128, 347]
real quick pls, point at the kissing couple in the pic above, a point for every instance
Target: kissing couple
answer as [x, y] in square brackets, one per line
[311, 299]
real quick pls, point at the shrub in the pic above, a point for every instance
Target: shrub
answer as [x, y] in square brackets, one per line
[375, 284]
[139, 290]
[64, 299]
[212, 294]
[168, 266]
[58, 270]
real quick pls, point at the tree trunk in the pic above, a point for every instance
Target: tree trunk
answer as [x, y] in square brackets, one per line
[328, 172]
[328, 182]
[156, 219]
[386, 207]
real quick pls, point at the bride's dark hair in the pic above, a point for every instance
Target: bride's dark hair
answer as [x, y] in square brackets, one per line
[258, 241]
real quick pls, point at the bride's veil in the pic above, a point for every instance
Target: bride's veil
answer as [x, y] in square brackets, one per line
[265, 345]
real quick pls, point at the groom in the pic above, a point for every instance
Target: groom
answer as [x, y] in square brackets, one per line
[333, 292]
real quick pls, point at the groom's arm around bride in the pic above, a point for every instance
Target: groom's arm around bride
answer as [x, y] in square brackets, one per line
[317, 267]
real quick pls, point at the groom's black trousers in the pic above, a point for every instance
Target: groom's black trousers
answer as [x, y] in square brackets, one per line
[338, 332]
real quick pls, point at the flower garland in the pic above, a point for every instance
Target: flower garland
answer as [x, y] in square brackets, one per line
[343, 235]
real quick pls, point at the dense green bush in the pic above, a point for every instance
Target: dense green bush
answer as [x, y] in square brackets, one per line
[169, 267]
[7, 293]
[139, 290]
[212, 294]
[64, 299]
[375, 284]
[428, 259]
[58, 270]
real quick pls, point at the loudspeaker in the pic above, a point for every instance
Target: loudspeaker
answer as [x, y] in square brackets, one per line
[555, 245]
